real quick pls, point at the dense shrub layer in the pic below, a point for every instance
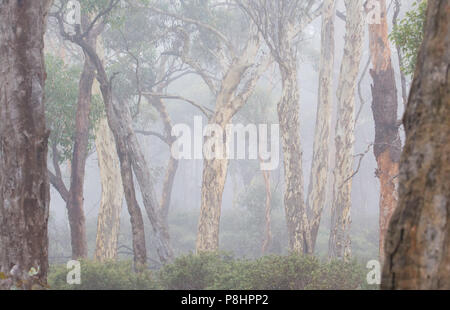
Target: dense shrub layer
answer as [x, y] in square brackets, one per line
[220, 271]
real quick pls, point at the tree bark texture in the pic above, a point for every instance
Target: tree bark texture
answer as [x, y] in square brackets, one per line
[339, 242]
[317, 188]
[387, 144]
[24, 183]
[418, 239]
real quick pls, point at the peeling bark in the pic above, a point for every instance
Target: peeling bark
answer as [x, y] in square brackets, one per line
[318, 179]
[24, 183]
[387, 145]
[229, 100]
[339, 243]
[418, 240]
[108, 225]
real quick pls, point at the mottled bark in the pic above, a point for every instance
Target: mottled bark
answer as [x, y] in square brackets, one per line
[24, 183]
[418, 240]
[339, 243]
[387, 144]
[288, 116]
[75, 202]
[108, 224]
[228, 101]
[318, 180]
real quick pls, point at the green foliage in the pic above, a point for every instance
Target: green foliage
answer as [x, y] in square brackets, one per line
[408, 35]
[103, 276]
[61, 94]
[293, 272]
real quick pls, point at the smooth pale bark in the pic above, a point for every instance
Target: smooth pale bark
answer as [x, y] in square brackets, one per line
[339, 242]
[108, 224]
[229, 100]
[24, 183]
[318, 179]
[387, 144]
[418, 240]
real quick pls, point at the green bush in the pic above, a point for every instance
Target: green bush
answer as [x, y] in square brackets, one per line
[103, 276]
[293, 272]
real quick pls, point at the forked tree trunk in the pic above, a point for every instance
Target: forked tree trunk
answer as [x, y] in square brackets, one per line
[387, 144]
[418, 240]
[318, 180]
[108, 225]
[24, 183]
[339, 242]
[229, 100]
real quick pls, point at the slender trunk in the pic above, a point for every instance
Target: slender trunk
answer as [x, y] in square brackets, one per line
[387, 145]
[318, 180]
[288, 116]
[268, 231]
[75, 202]
[418, 240]
[116, 125]
[108, 225]
[339, 242]
[24, 183]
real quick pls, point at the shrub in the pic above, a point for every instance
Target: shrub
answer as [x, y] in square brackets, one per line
[293, 272]
[103, 276]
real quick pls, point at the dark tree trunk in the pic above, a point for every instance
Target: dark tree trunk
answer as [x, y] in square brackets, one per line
[24, 183]
[418, 240]
[75, 208]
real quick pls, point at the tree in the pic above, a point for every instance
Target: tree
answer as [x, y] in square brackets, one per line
[339, 243]
[280, 23]
[24, 184]
[387, 144]
[417, 242]
[238, 68]
[318, 180]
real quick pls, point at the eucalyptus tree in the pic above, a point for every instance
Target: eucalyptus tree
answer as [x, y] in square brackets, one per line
[129, 151]
[281, 23]
[339, 242]
[417, 243]
[24, 184]
[227, 53]
[387, 145]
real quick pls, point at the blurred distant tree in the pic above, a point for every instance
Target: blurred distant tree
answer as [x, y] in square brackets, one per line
[408, 35]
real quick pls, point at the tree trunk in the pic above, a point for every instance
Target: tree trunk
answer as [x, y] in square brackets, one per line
[24, 183]
[229, 100]
[288, 116]
[339, 242]
[418, 240]
[108, 225]
[75, 202]
[318, 179]
[387, 144]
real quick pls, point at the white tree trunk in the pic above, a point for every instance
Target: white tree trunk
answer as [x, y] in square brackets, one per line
[339, 243]
[318, 180]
